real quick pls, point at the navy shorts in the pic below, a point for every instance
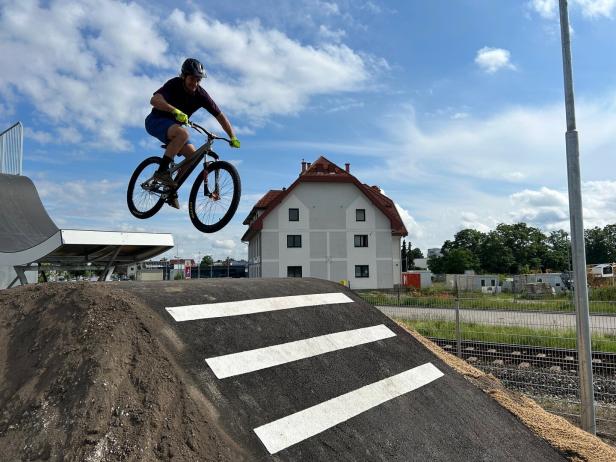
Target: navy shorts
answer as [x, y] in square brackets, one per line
[157, 127]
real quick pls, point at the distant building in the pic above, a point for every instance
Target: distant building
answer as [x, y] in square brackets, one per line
[487, 283]
[420, 263]
[553, 280]
[329, 225]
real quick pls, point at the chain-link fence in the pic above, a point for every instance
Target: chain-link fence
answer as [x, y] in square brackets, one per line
[530, 345]
[11, 149]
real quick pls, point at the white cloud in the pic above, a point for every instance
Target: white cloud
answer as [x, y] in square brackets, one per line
[595, 8]
[549, 209]
[545, 8]
[225, 244]
[91, 74]
[412, 227]
[328, 34]
[548, 9]
[491, 60]
[268, 73]
[472, 220]
[79, 65]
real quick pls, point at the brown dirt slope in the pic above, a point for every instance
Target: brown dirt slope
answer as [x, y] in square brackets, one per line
[84, 376]
[571, 441]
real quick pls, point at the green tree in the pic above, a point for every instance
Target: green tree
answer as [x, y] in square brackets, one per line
[437, 265]
[469, 239]
[601, 244]
[459, 260]
[207, 260]
[403, 256]
[416, 253]
[526, 244]
[495, 256]
[559, 250]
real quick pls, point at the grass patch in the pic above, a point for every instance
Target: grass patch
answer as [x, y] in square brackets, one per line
[489, 302]
[549, 338]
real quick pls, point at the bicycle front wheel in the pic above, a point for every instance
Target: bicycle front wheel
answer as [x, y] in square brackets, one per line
[214, 197]
[142, 196]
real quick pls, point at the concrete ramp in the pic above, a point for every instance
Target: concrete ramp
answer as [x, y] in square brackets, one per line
[29, 237]
[304, 370]
[25, 222]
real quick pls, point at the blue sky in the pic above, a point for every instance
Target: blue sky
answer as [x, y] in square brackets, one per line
[454, 108]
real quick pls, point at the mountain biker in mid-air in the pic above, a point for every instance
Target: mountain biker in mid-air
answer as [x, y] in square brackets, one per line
[173, 104]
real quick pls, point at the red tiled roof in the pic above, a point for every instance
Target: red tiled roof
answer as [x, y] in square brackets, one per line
[263, 203]
[322, 170]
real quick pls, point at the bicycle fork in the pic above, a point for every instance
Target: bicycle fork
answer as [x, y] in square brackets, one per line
[215, 194]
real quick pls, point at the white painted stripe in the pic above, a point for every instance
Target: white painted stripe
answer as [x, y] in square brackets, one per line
[258, 305]
[290, 430]
[261, 358]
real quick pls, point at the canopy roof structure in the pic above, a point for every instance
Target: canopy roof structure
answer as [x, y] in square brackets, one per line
[29, 236]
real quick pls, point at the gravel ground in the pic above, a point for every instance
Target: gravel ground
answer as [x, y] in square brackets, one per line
[557, 391]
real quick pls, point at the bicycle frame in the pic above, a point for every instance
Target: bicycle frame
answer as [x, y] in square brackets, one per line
[190, 164]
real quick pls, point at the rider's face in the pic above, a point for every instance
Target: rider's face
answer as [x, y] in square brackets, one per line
[192, 82]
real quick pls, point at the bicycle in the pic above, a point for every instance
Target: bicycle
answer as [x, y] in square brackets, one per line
[213, 198]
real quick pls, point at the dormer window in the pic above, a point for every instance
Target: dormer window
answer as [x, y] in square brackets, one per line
[360, 214]
[293, 214]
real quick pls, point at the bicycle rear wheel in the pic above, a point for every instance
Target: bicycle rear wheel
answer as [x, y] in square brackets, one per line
[143, 196]
[214, 197]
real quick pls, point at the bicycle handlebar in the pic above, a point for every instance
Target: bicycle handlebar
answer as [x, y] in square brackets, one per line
[211, 136]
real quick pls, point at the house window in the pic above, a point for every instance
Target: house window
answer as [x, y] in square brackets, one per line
[294, 240]
[294, 271]
[293, 214]
[539, 280]
[493, 282]
[483, 283]
[361, 240]
[361, 271]
[607, 270]
[360, 214]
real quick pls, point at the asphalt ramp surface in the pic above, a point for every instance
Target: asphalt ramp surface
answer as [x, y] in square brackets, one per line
[258, 370]
[444, 418]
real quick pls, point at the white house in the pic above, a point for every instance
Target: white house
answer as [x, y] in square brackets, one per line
[328, 225]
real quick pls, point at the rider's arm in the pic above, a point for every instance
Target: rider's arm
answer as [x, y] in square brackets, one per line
[225, 124]
[160, 103]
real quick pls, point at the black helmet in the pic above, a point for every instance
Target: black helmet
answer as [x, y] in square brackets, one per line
[193, 67]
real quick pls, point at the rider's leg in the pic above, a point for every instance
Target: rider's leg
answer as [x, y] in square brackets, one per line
[188, 151]
[177, 137]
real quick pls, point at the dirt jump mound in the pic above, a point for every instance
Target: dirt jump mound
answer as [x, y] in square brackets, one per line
[84, 379]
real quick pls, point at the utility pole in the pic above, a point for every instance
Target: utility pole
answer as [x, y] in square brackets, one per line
[580, 289]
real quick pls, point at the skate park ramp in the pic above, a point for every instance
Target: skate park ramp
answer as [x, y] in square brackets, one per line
[236, 369]
[29, 236]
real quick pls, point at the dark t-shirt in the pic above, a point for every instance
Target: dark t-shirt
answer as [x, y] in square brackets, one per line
[174, 93]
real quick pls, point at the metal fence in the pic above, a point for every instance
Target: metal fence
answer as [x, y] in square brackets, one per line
[11, 149]
[530, 345]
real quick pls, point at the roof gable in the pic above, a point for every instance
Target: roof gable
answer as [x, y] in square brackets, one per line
[323, 170]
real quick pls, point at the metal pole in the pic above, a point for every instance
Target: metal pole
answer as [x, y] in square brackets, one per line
[458, 331]
[577, 235]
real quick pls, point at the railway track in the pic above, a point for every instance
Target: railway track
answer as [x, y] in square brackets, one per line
[525, 356]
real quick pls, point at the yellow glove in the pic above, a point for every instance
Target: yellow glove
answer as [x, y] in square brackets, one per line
[180, 116]
[235, 143]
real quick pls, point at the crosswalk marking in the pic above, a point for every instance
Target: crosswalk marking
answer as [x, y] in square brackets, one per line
[261, 358]
[258, 305]
[290, 430]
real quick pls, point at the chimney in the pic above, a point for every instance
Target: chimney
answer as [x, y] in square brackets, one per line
[347, 167]
[303, 165]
